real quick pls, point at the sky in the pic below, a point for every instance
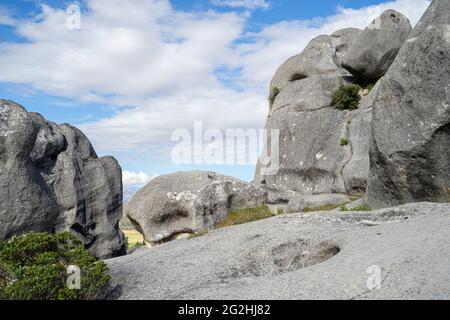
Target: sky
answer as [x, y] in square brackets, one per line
[130, 74]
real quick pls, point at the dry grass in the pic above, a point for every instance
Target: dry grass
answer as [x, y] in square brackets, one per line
[198, 234]
[134, 237]
[245, 216]
[362, 207]
[327, 207]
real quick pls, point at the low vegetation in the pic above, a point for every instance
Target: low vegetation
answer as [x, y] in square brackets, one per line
[362, 207]
[344, 142]
[246, 215]
[37, 267]
[274, 92]
[347, 97]
[133, 238]
[327, 207]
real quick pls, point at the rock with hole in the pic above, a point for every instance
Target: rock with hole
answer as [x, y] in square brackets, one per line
[372, 53]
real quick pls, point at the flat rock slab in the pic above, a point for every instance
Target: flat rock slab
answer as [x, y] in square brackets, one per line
[301, 256]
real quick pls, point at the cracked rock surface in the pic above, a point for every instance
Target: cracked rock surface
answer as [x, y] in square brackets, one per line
[325, 255]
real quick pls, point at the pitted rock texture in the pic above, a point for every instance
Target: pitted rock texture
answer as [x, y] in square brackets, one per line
[188, 202]
[410, 146]
[324, 255]
[52, 180]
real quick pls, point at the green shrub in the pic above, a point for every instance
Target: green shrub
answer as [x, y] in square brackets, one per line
[273, 94]
[347, 97]
[362, 207]
[34, 267]
[246, 215]
[344, 142]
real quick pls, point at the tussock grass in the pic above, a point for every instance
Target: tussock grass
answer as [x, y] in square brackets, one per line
[246, 215]
[362, 207]
[134, 238]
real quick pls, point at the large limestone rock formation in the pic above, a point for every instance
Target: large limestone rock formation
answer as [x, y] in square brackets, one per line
[52, 180]
[312, 159]
[374, 50]
[410, 147]
[26, 203]
[188, 202]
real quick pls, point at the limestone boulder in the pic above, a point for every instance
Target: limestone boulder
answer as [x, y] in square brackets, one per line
[26, 203]
[372, 53]
[52, 180]
[188, 202]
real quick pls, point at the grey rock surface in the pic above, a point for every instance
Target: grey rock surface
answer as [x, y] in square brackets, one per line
[372, 53]
[353, 205]
[410, 147]
[302, 202]
[26, 203]
[325, 255]
[342, 41]
[311, 158]
[188, 202]
[52, 180]
[316, 59]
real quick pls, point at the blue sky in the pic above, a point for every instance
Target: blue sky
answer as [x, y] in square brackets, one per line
[138, 70]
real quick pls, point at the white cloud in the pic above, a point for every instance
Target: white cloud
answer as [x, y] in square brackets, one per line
[265, 50]
[163, 63]
[135, 178]
[5, 17]
[125, 49]
[247, 4]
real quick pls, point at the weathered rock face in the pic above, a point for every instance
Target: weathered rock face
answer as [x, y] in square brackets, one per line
[188, 202]
[410, 147]
[311, 157]
[316, 59]
[374, 50]
[304, 202]
[63, 184]
[26, 204]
